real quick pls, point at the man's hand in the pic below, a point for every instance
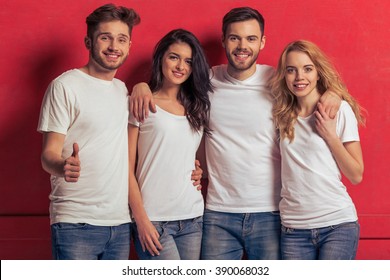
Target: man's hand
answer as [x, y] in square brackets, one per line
[331, 102]
[72, 165]
[326, 126]
[196, 175]
[141, 100]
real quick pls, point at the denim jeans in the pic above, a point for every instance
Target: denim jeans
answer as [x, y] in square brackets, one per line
[227, 236]
[338, 242]
[181, 240]
[88, 242]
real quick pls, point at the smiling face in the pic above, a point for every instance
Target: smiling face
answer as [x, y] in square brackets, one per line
[301, 75]
[177, 64]
[109, 47]
[242, 42]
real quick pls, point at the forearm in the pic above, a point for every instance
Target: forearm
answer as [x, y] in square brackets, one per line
[135, 200]
[141, 101]
[352, 167]
[142, 86]
[53, 163]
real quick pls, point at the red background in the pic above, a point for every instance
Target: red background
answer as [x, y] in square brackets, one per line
[42, 39]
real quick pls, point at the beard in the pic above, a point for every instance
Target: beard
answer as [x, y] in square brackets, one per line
[237, 66]
[102, 63]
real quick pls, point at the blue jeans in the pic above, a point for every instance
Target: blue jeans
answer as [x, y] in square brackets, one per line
[338, 242]
[88, 242]
[227, 236]
[181, 240]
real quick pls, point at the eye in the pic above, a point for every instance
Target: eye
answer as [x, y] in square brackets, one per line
[290, 70]
[123, 40]
[173, 57]
[308, 69]
[189, 62]
[252, 39]
[233, 38]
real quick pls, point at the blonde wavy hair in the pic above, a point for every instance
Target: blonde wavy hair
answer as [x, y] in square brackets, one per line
[285, 111]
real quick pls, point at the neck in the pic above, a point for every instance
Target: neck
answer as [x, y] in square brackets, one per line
[98, 72]
[168, 92]
[241, 75]
[308, 104]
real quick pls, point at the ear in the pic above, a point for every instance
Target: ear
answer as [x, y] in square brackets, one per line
[87, 42]
[223, 41]
[262, 43]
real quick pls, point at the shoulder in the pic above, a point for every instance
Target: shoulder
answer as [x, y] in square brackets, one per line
[345, 108]
[68, 75]
[218, 70]
[264, 71]
[218, 74]
[345, 113]
[118, 82]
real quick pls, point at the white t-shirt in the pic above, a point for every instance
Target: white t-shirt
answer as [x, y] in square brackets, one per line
[167, 147]
[242, 154]
[313, 195]
[94, 114]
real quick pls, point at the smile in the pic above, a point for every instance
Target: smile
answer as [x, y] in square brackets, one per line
[300, 86]
[112, 56]
[178, 74]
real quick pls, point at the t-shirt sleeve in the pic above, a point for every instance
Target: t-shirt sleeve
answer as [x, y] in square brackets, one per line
[58, 109]
[131, 119]
[347, 125]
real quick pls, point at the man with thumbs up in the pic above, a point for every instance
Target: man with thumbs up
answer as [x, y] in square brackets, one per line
[84, 119]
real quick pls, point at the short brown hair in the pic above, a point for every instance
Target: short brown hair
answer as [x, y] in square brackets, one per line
[110, 12]
[242, 14]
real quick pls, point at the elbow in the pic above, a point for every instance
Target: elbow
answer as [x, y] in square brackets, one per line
[356, 179]
[43, 162]
[357, 176]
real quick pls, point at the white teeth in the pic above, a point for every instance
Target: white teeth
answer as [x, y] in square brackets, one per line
[300, 86]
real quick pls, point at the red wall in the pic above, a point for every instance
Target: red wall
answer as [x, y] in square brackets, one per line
[41, 39]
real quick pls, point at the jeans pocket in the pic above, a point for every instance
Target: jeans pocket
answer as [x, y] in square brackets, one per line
[198, 222]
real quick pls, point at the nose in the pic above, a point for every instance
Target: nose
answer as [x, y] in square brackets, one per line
[180, 65]
[298, 75]
[242, 44]
[113, 45]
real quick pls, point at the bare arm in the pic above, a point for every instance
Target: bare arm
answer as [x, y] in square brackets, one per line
[348, 155]
[331, 102]
[52, 161]
[147, 233]
[141, 100]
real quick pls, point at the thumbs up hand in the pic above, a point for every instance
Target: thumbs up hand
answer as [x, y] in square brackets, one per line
[72, 165]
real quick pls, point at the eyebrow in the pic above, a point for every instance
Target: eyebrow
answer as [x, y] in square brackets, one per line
[170, 53]
[303, 65]
[109, 33]
[235, 35]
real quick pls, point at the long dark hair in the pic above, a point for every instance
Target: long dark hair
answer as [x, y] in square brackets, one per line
[194, 91]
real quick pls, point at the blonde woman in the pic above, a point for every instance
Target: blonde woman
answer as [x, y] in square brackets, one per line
[319, 219]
